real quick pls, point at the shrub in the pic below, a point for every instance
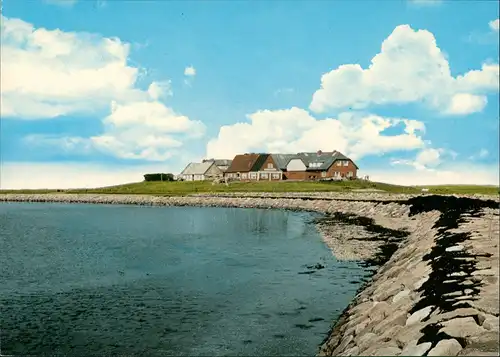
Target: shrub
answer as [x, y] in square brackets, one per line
[158, 177]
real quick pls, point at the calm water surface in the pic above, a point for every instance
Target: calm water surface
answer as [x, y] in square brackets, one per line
[171, 281]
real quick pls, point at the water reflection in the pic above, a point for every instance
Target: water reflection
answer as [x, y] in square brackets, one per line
[83, 279]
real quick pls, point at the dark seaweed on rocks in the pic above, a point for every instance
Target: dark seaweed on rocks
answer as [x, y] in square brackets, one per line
[391, 238]
[443, 263]
[451, 270]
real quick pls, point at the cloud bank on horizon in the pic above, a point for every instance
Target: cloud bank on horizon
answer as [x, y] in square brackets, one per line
[74, 99]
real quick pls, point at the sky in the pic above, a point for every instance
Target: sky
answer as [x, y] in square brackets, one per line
[100, 92]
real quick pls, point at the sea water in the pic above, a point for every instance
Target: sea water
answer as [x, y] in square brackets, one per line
[79, 279]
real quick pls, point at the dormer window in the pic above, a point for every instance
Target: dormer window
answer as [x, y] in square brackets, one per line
[346, 163]
[270, 165]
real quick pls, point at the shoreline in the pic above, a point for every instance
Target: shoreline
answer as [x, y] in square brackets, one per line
[436, 269]
[326, 205]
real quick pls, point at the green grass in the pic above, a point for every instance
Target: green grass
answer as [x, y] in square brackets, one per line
[464, 189]
[185, 188]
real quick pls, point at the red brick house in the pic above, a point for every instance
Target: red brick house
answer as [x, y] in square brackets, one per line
[302, 166]
[321, 165]
[246, 167]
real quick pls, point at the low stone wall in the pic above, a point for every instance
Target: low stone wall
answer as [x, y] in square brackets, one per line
[436, 292]
[437, 295]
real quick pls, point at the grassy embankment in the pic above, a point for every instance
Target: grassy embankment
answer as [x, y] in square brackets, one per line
[186, 188]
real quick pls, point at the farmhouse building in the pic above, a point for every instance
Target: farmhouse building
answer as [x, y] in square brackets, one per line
[201, 171]
[222, 164]
[320, 165]
[301, 166]
[246, 166]
[275, 167]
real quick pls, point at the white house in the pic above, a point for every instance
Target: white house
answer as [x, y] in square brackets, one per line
[196, 171]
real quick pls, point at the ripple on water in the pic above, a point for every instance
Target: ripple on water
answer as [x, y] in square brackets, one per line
[167, 281]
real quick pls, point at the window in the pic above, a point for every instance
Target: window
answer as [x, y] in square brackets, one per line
[349, 174]
[243, 176]
[264, 176]
[276, 176]
[346, 163]
[323, 173]
[270, 165]
[253, 175]
[336, 174]
[339, 163]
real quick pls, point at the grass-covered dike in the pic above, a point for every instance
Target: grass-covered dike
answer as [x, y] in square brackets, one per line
[182, 188]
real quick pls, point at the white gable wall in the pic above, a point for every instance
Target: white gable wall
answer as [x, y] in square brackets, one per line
[296, 165]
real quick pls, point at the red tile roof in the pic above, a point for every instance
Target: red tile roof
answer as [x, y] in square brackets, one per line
[243, 163]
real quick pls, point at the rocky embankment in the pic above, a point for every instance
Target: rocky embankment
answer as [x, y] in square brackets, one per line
[435, 291]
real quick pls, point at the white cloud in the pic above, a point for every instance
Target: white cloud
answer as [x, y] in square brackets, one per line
[190, 71]
[158, 90]
[456, 174]
[50, 73]
[137, 130]
[293, 130]
[36, 175]
[409, 68]
[464, 103]
[494, 25]
[428, 157]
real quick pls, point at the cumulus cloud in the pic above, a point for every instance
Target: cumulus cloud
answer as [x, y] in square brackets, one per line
[190, 71]
[137, 130]
[410, 68]
[494, 25]
[427, 158]
[159, 90]
[293, 130]
[51, 73]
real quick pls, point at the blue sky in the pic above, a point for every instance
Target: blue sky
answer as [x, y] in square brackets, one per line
[100, 92]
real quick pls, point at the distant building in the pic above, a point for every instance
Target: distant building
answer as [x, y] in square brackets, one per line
[301, 166]
[245, 167]
[321, 165]
[195, 171]
[222, 164]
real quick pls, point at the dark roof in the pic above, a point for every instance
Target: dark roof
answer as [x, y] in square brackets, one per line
[259, 162]
[244, 163]
[325, 158]
[254, 162]
[220, 162]
[281, 160]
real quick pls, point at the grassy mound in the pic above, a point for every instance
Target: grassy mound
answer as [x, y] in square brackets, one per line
[186, 188]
